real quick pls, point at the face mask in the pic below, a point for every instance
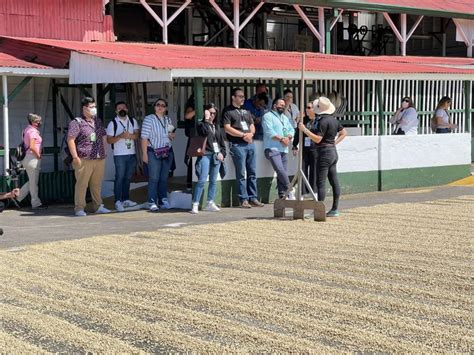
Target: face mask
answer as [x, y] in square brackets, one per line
[280, 110]
[93, 111]
[122, 113]
[37, 124]
[404, 104]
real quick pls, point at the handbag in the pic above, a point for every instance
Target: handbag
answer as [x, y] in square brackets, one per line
[197, 146]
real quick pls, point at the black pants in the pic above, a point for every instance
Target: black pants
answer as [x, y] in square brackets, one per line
[326, 169]
[310, 157]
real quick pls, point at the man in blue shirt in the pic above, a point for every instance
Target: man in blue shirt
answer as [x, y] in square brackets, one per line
[278, 133]
[256, 105]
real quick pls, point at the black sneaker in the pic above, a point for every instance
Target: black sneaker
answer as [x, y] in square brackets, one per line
[40, 207]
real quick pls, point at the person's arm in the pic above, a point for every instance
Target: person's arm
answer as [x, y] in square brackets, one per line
[396, 116]
[12, 194]
[190, 113]
[340, 136]
[34, 148]
[73, 133]
[145, 135]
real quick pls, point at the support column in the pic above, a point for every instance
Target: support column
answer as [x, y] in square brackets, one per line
[236, 23]
[381, 105]
[467, 103]
[198, 91]
[319, 34]
[55, 125]
[321, 26]
[6, 136]
[403, 30]
[402, 35]
[467, 41]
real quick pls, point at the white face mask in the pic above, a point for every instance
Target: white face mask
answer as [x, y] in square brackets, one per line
[93, 111]
[404, 104]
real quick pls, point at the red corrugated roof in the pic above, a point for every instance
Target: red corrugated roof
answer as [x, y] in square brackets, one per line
[188, 57]
[168, 57]
[9, 61]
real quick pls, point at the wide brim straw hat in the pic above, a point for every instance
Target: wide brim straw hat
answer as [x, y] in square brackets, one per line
[323, 106]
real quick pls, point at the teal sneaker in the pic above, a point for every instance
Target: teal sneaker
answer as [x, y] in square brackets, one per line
[332, 213]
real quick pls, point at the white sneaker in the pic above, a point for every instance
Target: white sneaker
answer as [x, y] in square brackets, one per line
[80, 213]
[102, 210]
[211, 207]
[195, 209]
[119, 206]
[165, 204]
[129, 203]
[153, 207]
[291, 196]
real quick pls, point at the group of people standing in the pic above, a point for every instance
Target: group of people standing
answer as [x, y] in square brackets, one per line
[276, 122]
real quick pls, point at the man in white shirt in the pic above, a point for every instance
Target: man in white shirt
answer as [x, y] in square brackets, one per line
[122, 132]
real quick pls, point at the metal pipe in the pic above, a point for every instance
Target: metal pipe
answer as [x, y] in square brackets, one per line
[151, 12]
[333, 22]
[164, 15]
[6, 136]
[177, 12]
[322, 41]
[252, 14]
[414, 27]
[403, 29]
[392, 26]
[308, 22]
[236, 23]
[300, 142]
[222, 14]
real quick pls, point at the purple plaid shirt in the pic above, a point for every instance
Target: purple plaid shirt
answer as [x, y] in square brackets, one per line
[81, 132]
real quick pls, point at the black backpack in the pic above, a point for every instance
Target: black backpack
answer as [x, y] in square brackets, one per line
[114, 122]
[21, 149]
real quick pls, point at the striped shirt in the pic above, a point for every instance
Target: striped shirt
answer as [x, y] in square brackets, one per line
[156, 131]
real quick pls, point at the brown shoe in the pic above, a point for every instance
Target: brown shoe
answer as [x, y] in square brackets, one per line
[245, 204]
[256, 203]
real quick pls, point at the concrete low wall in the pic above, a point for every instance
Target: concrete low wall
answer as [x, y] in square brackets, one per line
[374, 163]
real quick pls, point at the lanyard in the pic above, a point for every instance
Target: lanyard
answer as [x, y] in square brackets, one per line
[128, 125]
[282, 121]
[163, 125]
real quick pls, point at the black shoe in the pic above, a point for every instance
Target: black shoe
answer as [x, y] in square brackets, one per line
[40, 207]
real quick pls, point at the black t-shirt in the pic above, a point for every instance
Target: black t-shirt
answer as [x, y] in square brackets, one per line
[237, 118]
[328, 127]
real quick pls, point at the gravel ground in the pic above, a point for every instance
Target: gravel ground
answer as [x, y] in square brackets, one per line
[387, 278]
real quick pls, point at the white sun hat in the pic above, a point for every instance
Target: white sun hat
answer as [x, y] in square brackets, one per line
[323, 106]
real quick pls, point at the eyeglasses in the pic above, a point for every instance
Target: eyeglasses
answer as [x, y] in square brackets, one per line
[406, 100]
[240, 96]
[213, 113]
[309, 107]
[160, 105]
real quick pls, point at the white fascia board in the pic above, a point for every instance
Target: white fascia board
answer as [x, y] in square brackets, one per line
[90, 69]
[310, 75]
[47, 73]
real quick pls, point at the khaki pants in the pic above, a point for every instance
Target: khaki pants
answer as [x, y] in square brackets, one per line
[89, 174]
[32, 166]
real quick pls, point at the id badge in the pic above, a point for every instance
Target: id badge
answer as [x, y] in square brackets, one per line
[307, 142]
[128, 143]
[244, 125]
[285, 132]
[93, 137]
[215, 146]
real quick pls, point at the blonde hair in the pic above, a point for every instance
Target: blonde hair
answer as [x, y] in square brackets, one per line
[33, 117]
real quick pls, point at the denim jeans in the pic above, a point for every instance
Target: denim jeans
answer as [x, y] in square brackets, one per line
[124, 169]
[279, 163]
[206, 166]
[158, 170]
[245, 161]
[443, 130]
[326, 169]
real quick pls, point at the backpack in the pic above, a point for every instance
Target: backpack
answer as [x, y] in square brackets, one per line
[114, 122]
[21, 149]
[67, 153]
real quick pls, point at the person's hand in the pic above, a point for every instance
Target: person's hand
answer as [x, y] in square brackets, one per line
[207, 114]
[454, 126]
[172, 135]
[257, 120]
[247, 137]
[16, 192]
[301, 126]
[285, 141]
[145, 157]
[295, 152]
[77, 160]
[220, 157]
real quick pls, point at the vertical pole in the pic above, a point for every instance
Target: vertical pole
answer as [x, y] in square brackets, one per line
[300, 143]
[443, 44]
[198, 98]
[55, 125]
[164, 17]
[327, 42]
[189, 26]
[467, 103]
[94, 91]
[6, 138]
[279, 88]
[236, 23]
[469, 50]
[321, 29]
[264, 30]
[403, 30]
[379, 85]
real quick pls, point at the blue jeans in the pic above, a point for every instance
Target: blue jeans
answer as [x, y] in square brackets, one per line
[124, 169]
[245, 160]
[279, 163]
[206, 166]
[158, 170]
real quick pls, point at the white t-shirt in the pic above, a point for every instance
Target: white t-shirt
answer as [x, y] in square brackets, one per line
[409, 123]
[443, 114]
[123, 146]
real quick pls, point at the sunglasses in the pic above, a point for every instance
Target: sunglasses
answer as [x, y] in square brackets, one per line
[160, 105]
[309, 107]
[406, 100]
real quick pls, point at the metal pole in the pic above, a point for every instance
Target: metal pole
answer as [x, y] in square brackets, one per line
[94, 91]
[164, 16]
[236, 23]
[321, 26]
[300, 142]
[403, 28]
[6, 137]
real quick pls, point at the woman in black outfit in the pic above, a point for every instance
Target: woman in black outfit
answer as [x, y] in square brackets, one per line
[210, 163]
[325, 140]
[310, 153]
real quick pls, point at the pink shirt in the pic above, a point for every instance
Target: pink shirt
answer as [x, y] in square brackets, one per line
[32, 133]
